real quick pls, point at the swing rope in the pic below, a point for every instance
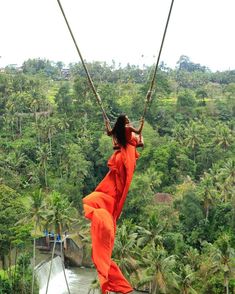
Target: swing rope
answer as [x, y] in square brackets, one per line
[84, 65]
[52, 256]
[149, 93]
[62, 264]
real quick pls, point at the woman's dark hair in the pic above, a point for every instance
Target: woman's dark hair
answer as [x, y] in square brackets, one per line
[118, 130]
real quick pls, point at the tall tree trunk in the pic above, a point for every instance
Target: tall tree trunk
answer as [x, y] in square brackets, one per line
[37, 130]
[12, 132]
[60, 164]
[207, 211]
[9, 262]
[226, 285]
[14, 275]
[49, 138]
[20, 125]
[45, 173]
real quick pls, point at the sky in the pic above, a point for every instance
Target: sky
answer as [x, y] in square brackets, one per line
[127, 31]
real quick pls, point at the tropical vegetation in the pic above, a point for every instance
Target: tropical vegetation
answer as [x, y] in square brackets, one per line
[176, 232]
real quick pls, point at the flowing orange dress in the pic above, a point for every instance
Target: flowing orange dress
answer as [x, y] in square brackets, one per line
[103, 207]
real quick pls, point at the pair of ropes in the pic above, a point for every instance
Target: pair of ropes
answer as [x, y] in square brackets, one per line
[97, 96]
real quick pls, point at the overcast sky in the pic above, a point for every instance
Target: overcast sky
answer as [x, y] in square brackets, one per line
[123, 30]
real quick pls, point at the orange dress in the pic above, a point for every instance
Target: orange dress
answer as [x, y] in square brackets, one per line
[103, 207]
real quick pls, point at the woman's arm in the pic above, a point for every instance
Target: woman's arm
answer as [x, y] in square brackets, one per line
[108, 128]
[139, 130]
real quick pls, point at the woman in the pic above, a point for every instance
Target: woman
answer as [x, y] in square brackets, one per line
[103, 206]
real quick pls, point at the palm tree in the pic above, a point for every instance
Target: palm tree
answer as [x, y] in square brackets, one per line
[192, 258]
[9, 120]
[178, 133]
[49, 129]
[43, 155]
[223, 136]
[61, 215]
[154, 178]
[63, 164]
[228, 171]
[224, 259]
[193, 137]
[214, 174]
[15, 105]
[225, 190]
[16, 160]
[226, 180]
[159, 270]
[187, 276]
[151, 232]
[78, 165]
[37, 215]
[207, 192]
[125, 248]
[35, 106]
[208, 269]
[63, 125]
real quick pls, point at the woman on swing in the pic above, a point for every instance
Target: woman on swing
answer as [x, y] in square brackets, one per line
[104, 206]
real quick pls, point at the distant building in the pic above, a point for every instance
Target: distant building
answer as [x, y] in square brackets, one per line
[65, 72]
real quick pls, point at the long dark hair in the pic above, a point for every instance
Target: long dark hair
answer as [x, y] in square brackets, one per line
[118, 130]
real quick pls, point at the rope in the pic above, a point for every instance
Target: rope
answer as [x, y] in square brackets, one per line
[149, 93]
[63, 267]
[52, 256]
[84, 65]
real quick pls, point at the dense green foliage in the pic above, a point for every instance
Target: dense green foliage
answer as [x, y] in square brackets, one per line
[52, 140]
